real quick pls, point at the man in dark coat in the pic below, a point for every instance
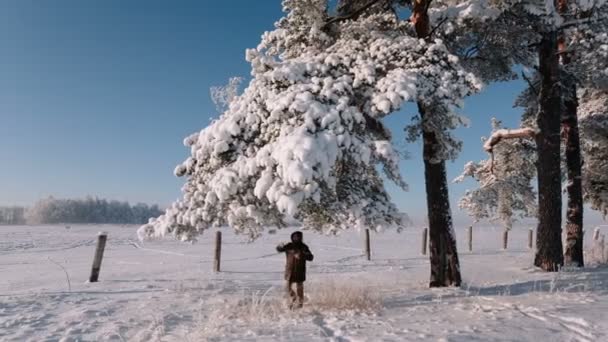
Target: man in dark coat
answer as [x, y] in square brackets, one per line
[297, 253]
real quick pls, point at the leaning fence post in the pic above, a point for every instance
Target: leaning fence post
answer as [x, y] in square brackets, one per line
[531, 238]
[470, 238]
[101, 245]
[425, 234]
[368, 252]
[505, 239]
[218, 251]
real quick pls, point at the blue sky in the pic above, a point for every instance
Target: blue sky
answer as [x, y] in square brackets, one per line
[97, 96]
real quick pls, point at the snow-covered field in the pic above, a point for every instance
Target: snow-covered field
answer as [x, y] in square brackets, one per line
[166, 290]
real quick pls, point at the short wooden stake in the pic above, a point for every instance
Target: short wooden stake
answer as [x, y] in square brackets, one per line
[596, 233]
[603, 247]
[425, 234]
[101, 245]
[505, 239]
[531, 238]
[218, 251]
[368, 252]
[470, 238]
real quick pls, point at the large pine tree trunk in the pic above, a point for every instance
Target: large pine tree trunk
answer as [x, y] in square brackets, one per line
[445, 267]
[574, 215]
[549, 255]
[573, 255]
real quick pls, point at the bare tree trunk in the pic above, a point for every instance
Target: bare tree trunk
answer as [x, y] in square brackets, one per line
[549, 255]
[573, 256]
[445, 267]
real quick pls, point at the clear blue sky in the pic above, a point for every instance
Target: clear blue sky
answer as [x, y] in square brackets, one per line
[97, 96]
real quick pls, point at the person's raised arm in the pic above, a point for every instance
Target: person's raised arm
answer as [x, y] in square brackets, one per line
[282, 247]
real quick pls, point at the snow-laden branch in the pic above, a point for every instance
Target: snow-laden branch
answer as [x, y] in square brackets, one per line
[582, 21]
[223, 95]
[501, 134]
[351, 15]
[504, 192]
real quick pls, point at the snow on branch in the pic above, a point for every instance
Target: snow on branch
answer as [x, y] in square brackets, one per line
[351, 15]
[504, 192]
[502, 134]
[582, 21]
[223, 95]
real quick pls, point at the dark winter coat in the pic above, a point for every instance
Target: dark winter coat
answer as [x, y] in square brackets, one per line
[297, 253]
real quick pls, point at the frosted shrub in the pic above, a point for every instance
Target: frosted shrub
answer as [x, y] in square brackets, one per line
[336, 296]
[343, 296]
[266, 308]
[248, 309]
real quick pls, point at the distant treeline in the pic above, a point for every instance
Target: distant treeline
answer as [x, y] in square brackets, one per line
[12, 215]
[88, 210]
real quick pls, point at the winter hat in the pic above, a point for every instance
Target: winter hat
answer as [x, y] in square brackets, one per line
[296, 233]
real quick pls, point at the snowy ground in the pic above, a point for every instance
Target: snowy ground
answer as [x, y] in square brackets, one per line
[165, 290]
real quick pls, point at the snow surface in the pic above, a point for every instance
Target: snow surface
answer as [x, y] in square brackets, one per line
[166, 290]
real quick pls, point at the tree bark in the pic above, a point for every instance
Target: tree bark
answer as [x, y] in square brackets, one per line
[445, 267]
[549, 255]
[573, 256]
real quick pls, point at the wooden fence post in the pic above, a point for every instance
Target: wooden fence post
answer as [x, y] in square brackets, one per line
[603, 248]
[505, 239]
[218, 251]
[368, 252]
[425, 235]
[531, 238]
[596, 233]
[470, 238]
[101, 245]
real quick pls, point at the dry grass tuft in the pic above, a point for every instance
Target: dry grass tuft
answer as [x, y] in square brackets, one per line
[270, 308]
[343, 296]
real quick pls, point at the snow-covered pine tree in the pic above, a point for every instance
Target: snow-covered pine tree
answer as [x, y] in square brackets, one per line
[305, 138]
[588, 47]
[584, 67]
[593, 119]
[505, 189]
[473, 32]
[573, 254]
[438, 145]
[549, 255]
[480, 32]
